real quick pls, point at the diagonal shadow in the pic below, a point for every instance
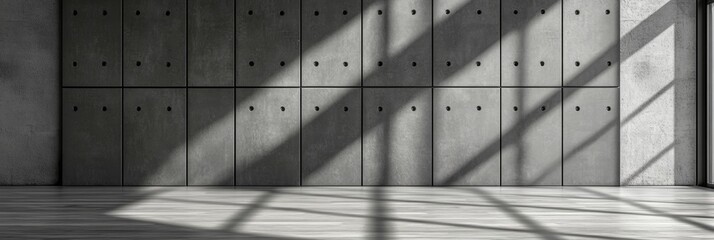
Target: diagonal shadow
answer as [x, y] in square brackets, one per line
[649, 163]
[240, 217]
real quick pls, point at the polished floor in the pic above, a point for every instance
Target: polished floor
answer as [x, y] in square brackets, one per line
[357, 213]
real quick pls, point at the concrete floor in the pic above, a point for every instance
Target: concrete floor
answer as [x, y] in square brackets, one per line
[357, 212]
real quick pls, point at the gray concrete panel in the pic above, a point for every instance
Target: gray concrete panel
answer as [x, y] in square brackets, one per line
[211, 42]
[331, 136]
[91, 136]
[211, 152]
[331, 37]
[591, 43]
[154, 128]
[591, 136]
[531, 136]
[267, 43]
[397, 137]
[91, 43]
[466, 133]
[531, 43]
[154, 43]
[267, 136]
[467, 43]
[397, 42]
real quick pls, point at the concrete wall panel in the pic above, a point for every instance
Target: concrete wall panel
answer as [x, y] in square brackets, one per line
[211, 41]
[211, 152]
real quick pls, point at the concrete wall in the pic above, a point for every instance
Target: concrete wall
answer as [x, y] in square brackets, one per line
[29, 92]
[658, 92]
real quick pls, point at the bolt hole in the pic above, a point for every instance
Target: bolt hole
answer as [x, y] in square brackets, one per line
[478, 108]
[515, 12]
[104, 108]
[346, 109]
[413, 108]
[577, 63]
[379, 108]
[168, 64]
[251, 63]
[104, 12]
[478, 12]
[168, 108]
[515, 108]
[448, 11]
[138, 109]
[542, 108]
[607, 12]
[542, 63]
[250, 12]
[577, 108]
[317, 108]
[138, 12]
[250, 108]
[380, 63]
[515, 63]
[138, 63]
[448, 64]
[168, 13]
[478, 63]
[74, 64]
[282, 63]
[379, 12]
[317, 13]
[282, 13]
[282, 108]
[413, 12]
[345, 64]
[344, 12]
[448, 108]
[577, 12]
[104, 63]
[316, 63]
[414, 64]
[608, 108]
[75, 108]
[75, 13]
[609, 63]
[542, 11]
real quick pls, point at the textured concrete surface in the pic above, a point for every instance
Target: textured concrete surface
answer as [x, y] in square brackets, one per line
[657, 93]
[211, 42]
[92, 136]
[211, 148]
[29, 92]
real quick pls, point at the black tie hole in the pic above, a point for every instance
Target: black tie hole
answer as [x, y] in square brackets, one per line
[317, 13]
[414, 64]
[316, 63]
[282, 108]
[515, 12]
[138, 109]
[542, 108]
[74, 12]
[413, 12]
[75, 108]
[346, 109]
[317, 108]
[448, 108]
[542, 11]
[448, 11]
[282, 63]
[138, 63]
[577, 63]
[542, 63]
[250, 108]
[413, 108]
[345, 64]
[251, 63]
[608, 108]
[607, 12]
[168, 108]
[379, 108]
[515, 63]
[104, 108]
[250, 12]
[168, 64]
[478, 63]
[577, 12]
[138, 12]
[74, 64]
[104, 12]
[104, 63]
[577, 108]
[282, 13]
[478, 108]
[380, 63]
[609, 63]
[379, 12]
[344, 12]
[168, 13]
[478, 12]
[515, 108]
[448, 64]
